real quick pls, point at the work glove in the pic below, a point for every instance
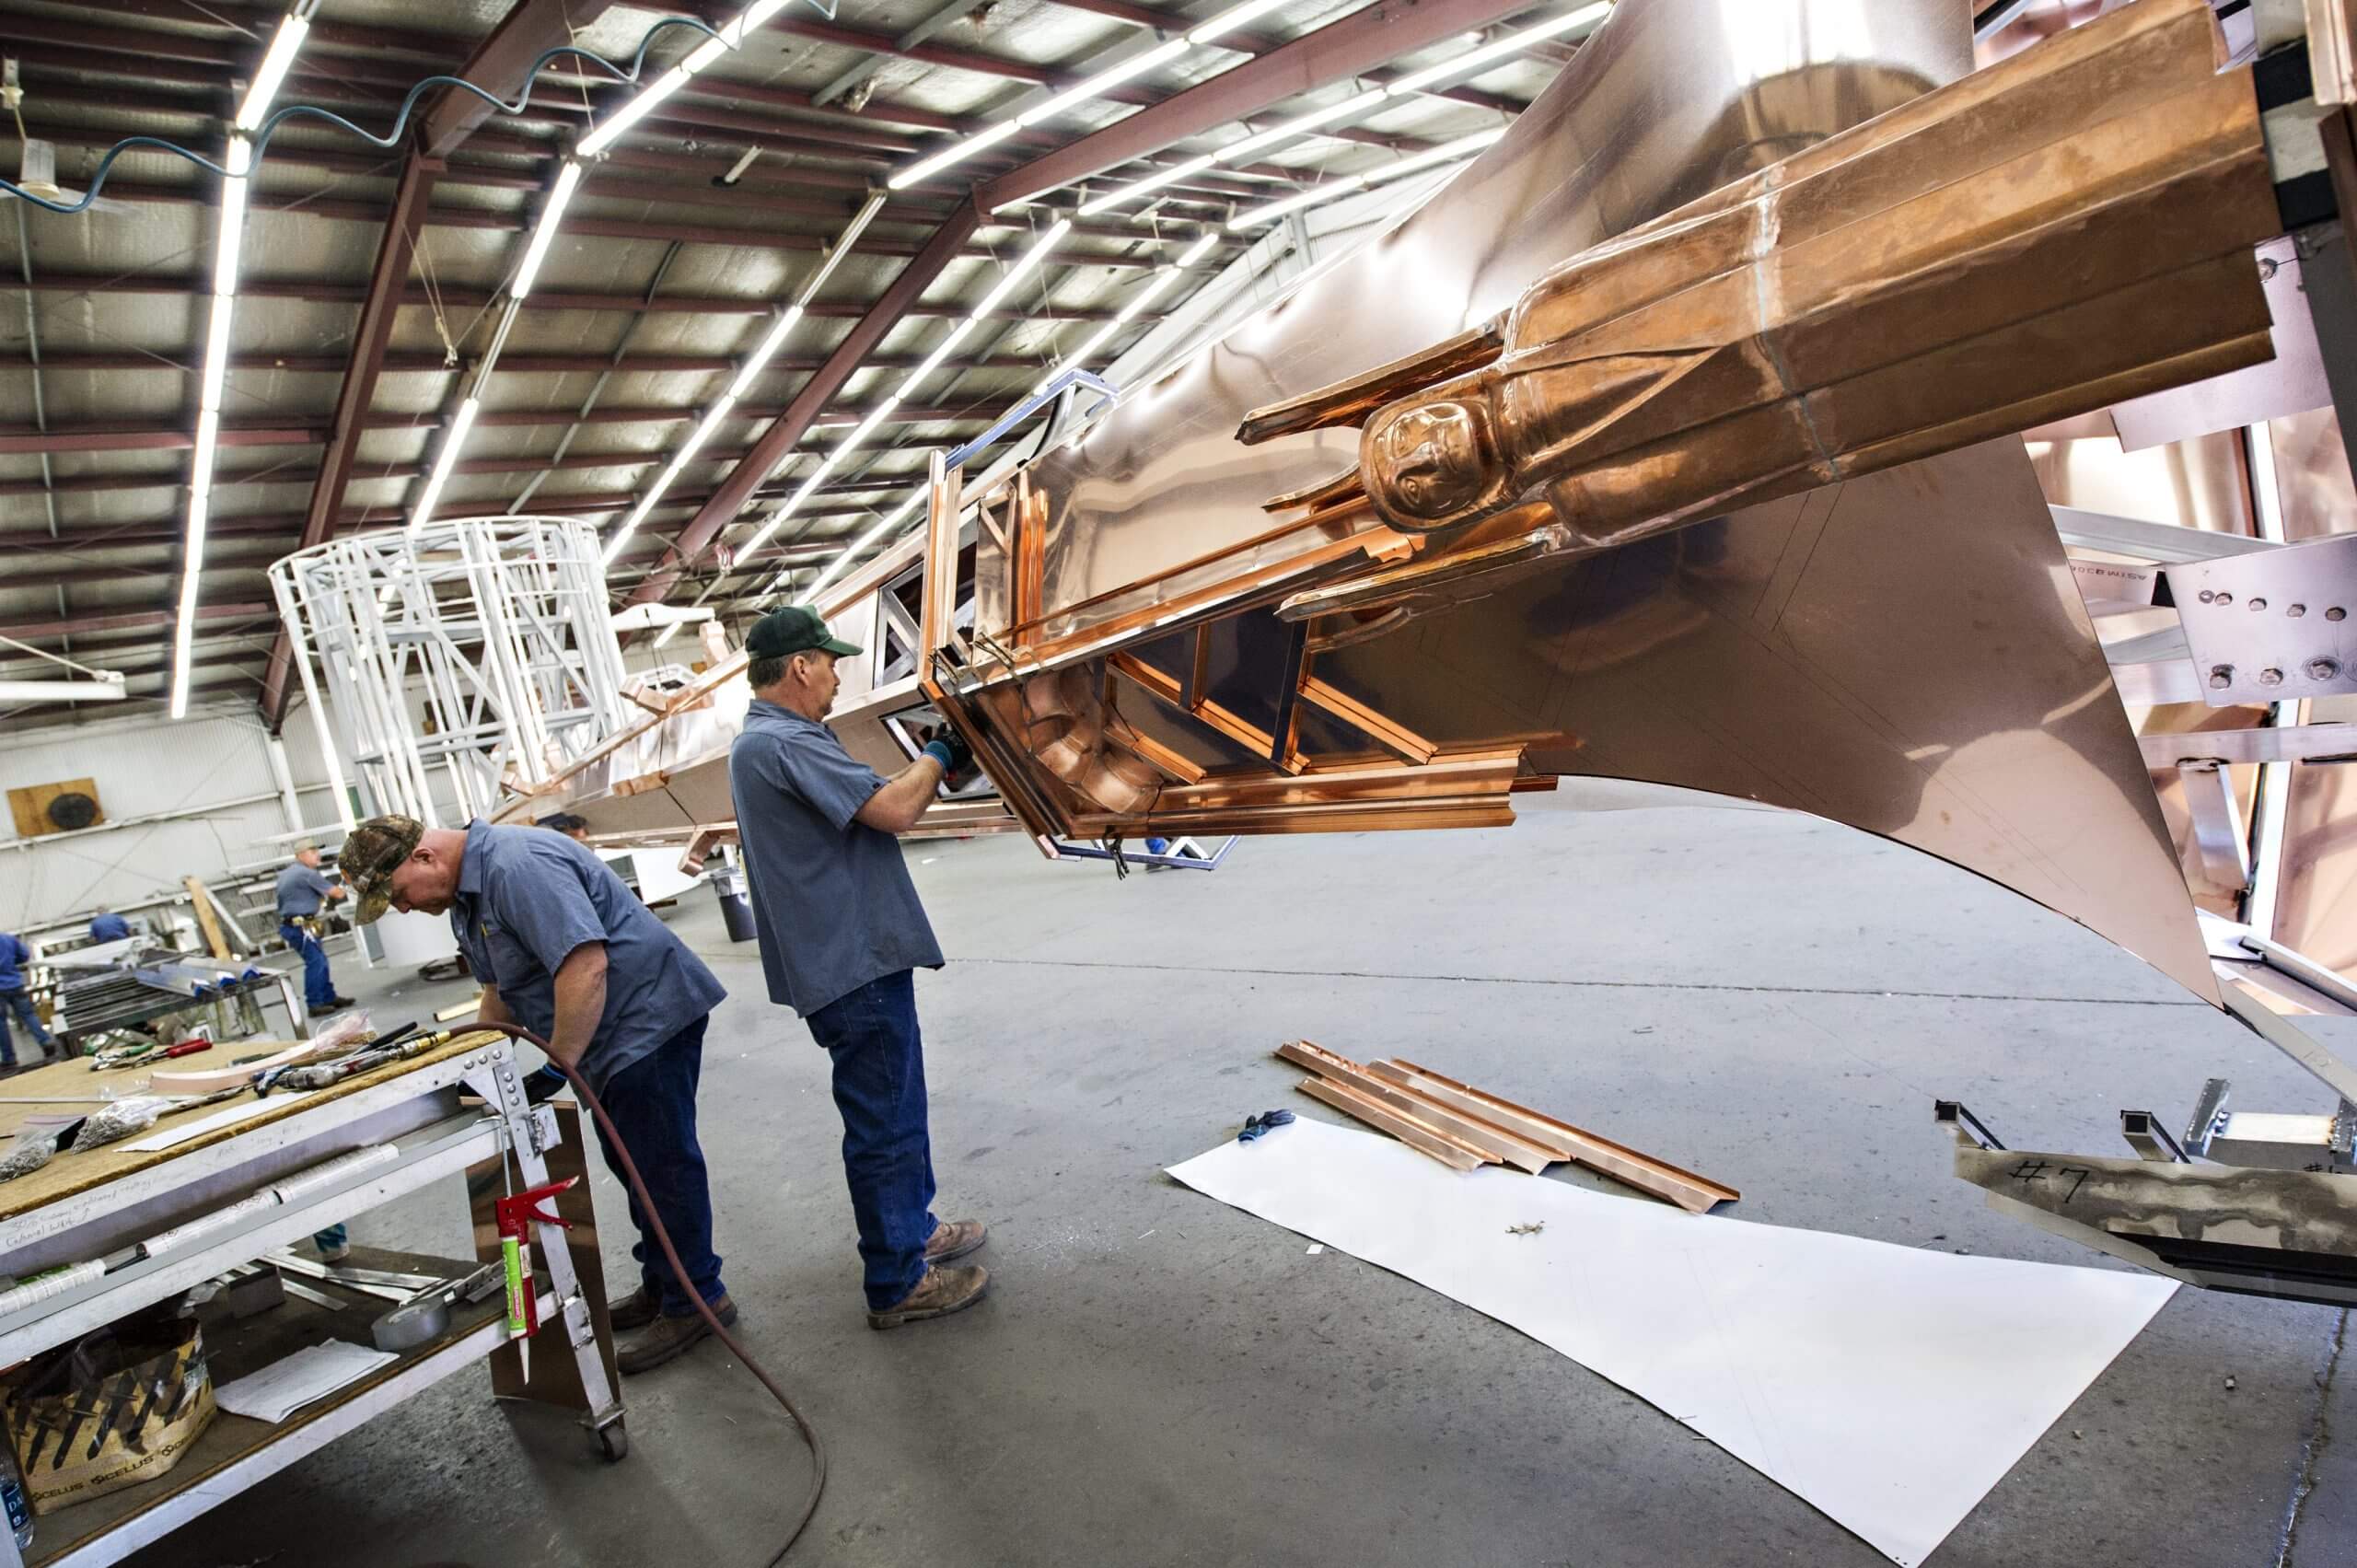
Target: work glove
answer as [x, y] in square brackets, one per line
[951, 752]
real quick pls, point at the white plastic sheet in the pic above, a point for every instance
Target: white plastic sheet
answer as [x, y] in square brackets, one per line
[1890, 1386]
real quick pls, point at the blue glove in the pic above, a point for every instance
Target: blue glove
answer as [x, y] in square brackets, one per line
[949, 751]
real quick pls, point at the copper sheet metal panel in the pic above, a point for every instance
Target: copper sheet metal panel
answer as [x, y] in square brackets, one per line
[1905, 653]
[1669, 100]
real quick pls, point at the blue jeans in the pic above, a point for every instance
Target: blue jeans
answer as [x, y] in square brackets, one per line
[887, 1153]
[653, 1102]
[319, 989]
[17, 1001]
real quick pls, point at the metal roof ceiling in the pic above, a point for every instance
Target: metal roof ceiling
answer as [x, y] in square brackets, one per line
[663, 275]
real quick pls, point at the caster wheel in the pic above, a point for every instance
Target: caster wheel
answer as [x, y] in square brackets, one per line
[613, 1442]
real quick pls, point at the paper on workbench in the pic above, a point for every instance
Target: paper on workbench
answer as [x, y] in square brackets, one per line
[227, 1116]
[285, 1387]
[1888, 1387]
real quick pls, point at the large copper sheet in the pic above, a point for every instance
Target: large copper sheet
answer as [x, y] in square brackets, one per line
[1905, 653]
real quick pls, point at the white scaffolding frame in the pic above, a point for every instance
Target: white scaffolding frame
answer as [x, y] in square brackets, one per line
[477, 650]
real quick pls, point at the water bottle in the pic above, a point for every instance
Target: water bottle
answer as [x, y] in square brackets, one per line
[12, 1495]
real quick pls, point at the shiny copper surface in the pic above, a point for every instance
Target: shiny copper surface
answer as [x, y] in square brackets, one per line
[1929, 278]
[1904, 652]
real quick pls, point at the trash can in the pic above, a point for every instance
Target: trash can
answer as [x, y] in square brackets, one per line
[735, 909]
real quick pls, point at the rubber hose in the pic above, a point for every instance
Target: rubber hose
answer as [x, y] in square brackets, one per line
[671, 1254]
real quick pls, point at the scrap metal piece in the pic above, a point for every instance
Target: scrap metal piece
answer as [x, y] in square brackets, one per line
[2287, 1234]
[2149, 1138]
[2209, 1114]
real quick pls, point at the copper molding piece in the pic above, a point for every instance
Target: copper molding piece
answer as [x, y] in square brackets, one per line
[2071, 227]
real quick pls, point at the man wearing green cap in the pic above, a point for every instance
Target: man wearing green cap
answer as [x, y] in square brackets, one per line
[564, 948]
[841, 934]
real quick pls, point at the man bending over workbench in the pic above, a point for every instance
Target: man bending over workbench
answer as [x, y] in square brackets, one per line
[562, 947]
[842, 936]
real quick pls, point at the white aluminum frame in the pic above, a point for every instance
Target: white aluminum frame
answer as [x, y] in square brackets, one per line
[476, 650]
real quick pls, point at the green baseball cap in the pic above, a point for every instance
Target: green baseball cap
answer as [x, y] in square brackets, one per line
[371, 854]
[795, 629]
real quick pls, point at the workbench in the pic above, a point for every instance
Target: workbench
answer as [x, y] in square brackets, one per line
[458, 1106]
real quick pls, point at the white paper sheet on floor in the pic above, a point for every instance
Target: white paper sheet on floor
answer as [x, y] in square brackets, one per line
[285, 1387]
[1890, 1386]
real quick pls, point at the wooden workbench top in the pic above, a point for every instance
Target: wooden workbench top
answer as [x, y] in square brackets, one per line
[70, 1173]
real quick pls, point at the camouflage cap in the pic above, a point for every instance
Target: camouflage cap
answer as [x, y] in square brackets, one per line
[371, 852]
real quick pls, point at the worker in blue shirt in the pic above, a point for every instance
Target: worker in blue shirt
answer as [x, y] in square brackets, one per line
[842, 936]
[302, 889]
[108, 926]
[14, 957]
[562, 947]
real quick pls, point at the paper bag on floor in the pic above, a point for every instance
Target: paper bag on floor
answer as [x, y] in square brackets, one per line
[112, 1409]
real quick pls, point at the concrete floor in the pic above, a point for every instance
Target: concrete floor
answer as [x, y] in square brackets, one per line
[1159, 1379]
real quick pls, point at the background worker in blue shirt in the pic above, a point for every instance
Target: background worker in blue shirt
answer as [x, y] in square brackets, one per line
[562, 947]
[841, 934]
[14, 957]
[303, 888]
[108, 926]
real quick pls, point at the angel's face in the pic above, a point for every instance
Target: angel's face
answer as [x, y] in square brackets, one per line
[1432, 464]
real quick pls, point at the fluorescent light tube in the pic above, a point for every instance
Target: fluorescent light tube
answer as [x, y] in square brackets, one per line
[229, 246]
[1014, 275]
[931, 361]
[543, 232]
[1234, 17]
[444, 461]
[636, 110]
[1448, 152]
[867, 426]
[1308, 198]
[67, 690]
[762, 356]
[756, 16]
[843, 557]
[680, 460]
[1464, 146]
[1097, 85]
[1499, 49]
[217, 352]
[926, 169]
[274, 69]
[1123, 194]
[208, 440]
[1300, 125]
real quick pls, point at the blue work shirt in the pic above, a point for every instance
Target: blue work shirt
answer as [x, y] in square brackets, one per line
[301, 890]
[110, 927]
[833, 902]
[14, 956]
[527, 898]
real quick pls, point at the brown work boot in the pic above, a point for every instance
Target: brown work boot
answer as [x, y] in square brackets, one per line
[952, 1239]
[635, 1310]
[940, 1293]
[668, 1337]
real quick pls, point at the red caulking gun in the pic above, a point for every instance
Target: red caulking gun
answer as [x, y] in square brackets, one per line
[515, 1213]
